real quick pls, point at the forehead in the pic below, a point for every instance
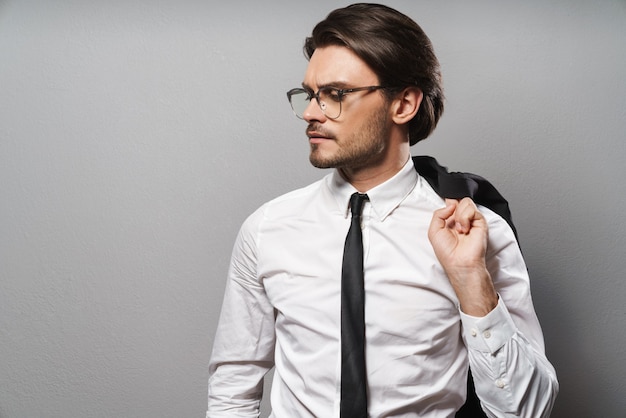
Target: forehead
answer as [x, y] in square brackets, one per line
[338, 65]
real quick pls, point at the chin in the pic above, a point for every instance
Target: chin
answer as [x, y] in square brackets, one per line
[320, 163]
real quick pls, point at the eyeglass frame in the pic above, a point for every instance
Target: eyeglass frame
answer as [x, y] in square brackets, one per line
[340, 94]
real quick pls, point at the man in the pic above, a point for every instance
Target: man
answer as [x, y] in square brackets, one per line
[445, 285]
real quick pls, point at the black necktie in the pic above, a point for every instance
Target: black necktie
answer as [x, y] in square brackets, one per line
[353, 378]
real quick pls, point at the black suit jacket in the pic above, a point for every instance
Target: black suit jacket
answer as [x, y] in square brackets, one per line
[457, 185]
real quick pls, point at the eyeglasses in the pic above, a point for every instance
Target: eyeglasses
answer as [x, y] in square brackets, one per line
[328, 98]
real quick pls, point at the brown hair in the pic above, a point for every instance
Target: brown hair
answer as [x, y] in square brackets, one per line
[395, 48]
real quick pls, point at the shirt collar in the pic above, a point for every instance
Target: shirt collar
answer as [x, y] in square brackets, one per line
[384, 198]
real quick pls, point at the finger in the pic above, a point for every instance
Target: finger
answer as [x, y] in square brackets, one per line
[465, 214]
[441, 216]
[450, 221]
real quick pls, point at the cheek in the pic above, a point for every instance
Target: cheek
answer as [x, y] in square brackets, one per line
[365, 124]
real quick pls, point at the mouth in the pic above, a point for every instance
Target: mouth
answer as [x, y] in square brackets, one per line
[318, 136]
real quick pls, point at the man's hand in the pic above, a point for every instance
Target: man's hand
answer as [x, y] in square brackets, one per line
[459, 236]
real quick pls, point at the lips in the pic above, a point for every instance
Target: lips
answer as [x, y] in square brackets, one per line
[316, 134]
[313, 135]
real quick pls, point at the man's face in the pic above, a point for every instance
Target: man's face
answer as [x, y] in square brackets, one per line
[358, 137]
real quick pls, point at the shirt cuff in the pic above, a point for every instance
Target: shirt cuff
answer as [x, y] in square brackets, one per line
[489, 333]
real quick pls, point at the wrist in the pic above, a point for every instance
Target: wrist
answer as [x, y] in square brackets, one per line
[475, 291]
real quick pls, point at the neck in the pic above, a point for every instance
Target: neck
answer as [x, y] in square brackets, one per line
[366, 178]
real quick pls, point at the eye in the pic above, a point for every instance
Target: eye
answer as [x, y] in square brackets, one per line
[332, 94]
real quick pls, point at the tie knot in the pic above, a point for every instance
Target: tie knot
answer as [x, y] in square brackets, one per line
[356, 203]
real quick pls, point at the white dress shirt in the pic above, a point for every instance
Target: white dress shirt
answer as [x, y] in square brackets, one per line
[282, 309]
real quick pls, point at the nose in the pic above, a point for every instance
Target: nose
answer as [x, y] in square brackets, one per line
[313, 112]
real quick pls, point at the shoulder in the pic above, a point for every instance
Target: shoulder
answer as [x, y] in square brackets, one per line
[501, 234]
[286, 206]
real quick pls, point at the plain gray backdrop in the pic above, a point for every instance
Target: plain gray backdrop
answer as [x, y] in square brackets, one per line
[136, 136]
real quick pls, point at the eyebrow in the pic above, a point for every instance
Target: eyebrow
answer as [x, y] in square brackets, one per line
[332, 84]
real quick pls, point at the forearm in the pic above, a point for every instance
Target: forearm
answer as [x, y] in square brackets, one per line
[242, 354]
[235, 390]
[475, 291]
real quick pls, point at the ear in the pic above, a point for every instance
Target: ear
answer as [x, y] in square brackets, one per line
[406, 105]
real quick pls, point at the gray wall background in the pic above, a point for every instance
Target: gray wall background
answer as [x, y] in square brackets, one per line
[136, 136]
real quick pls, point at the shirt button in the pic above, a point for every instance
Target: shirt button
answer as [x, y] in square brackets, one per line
[474, 332]
[487, 334]
[500, 383]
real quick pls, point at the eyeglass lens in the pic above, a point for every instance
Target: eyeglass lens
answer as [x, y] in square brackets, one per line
[330, 107]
